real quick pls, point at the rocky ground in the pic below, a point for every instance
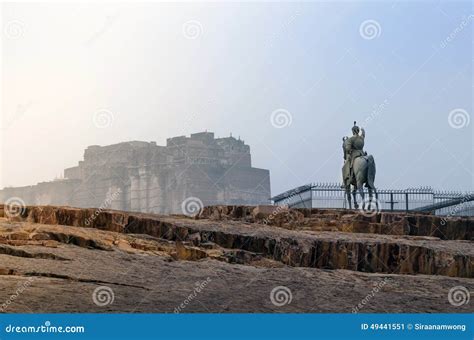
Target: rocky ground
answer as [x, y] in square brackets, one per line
[234, 259]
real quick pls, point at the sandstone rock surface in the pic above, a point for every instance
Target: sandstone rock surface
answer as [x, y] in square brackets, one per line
[330, 260]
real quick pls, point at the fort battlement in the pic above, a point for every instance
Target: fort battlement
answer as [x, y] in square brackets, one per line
[146, 177]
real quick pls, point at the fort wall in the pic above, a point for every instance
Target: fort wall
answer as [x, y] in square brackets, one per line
[145, 177]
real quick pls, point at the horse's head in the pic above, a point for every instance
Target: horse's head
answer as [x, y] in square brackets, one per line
[344, 140]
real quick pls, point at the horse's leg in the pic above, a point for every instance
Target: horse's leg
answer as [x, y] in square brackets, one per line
[362, 196]
[348, 195]
[360, 188]
[370, 198]
[372, 191]
[354, 194]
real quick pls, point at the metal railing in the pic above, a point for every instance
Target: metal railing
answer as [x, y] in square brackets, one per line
[332, 195]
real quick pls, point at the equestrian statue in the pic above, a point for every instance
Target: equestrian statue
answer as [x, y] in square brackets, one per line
[358, 169]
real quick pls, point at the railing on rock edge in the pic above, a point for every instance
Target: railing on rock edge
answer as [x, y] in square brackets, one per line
[332, 195]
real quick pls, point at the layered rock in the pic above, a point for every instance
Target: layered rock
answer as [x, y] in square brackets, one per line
[238, 255]
[387, 223]
[381, 243]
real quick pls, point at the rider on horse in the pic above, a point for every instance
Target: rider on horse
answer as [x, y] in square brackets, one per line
[353, 148]
[358, 169]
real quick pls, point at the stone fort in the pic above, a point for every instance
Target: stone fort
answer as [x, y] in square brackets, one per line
[145, 177]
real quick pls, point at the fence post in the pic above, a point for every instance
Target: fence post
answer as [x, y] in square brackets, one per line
[391, 201]
[406, 201]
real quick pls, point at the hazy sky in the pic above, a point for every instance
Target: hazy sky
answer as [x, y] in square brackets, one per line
[77, 75]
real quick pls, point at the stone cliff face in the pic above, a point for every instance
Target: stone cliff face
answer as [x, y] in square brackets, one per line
[145, 177]
[384, 243]
[305, 249]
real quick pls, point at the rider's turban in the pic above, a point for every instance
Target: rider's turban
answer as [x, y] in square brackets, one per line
[355, 128]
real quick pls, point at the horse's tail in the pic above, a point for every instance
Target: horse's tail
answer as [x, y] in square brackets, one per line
[371, 172]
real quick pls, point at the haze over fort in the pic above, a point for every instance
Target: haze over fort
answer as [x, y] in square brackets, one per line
[151, 78]
[181, 177]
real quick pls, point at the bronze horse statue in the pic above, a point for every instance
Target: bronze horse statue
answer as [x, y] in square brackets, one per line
[363, 172]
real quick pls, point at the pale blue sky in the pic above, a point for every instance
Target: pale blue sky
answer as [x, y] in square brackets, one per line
[62, 64]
